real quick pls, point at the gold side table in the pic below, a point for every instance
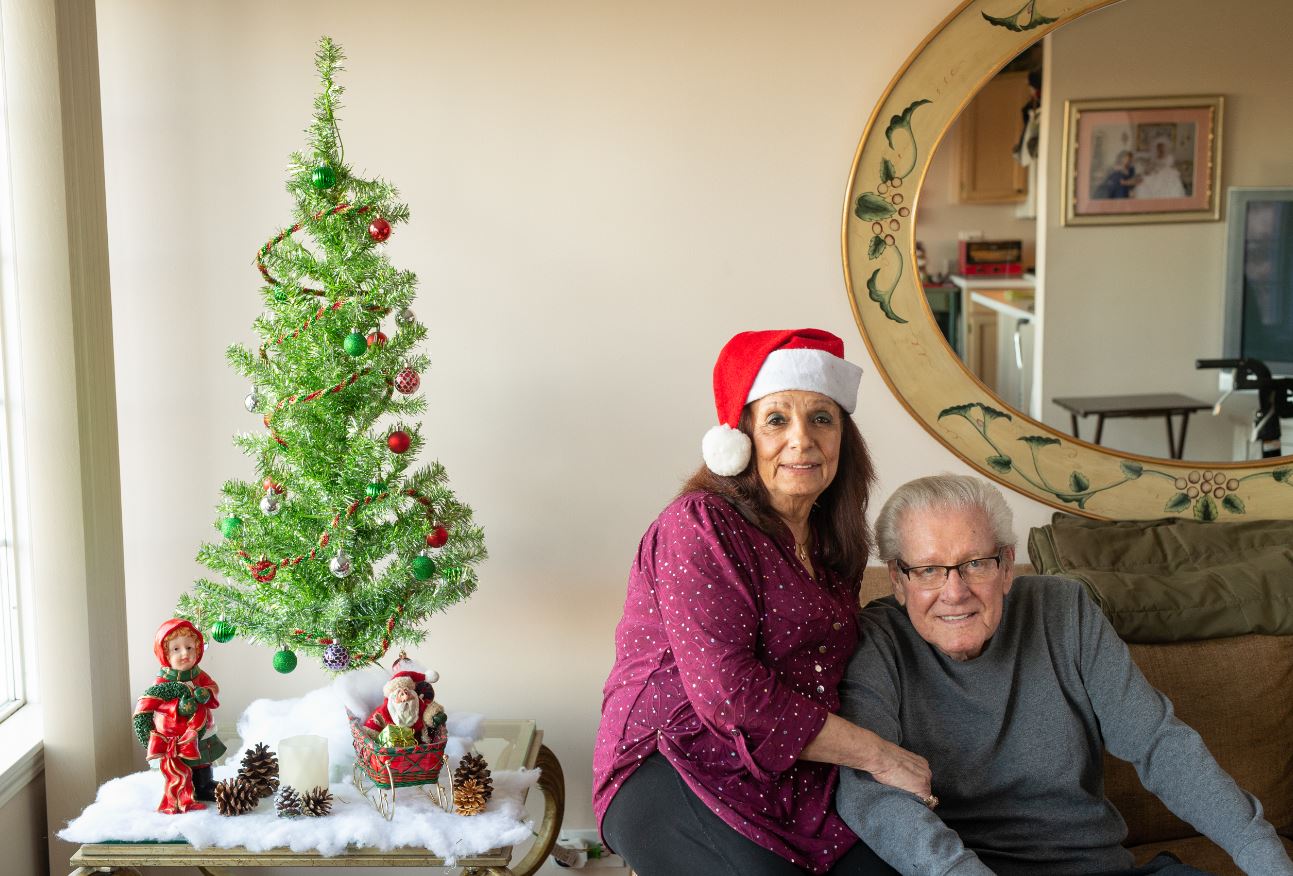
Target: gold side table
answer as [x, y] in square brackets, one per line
[522, 746]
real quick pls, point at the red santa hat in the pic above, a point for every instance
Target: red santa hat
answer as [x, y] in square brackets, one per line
[407, 679]
[754, 364]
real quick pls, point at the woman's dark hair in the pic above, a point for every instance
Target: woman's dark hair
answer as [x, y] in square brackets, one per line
[839, 513]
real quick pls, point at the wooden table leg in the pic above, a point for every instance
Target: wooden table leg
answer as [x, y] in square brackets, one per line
[1073, 424]
[1180, 444]
[1099, 427]
[1171, 436]
[552, 782]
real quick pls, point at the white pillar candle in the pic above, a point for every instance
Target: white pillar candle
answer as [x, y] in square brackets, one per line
[303, 762]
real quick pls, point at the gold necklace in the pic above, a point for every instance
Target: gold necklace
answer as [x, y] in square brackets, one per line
[801, 550]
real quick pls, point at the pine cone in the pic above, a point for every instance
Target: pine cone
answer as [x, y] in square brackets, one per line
[473, 766]
[235, 796]
[469, 797]
[260, 767]
[317, 803]
[288, 802]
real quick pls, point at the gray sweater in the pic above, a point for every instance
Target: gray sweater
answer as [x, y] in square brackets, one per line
[1014, 740]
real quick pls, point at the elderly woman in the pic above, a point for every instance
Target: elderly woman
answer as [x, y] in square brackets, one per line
[718, 745]
[1012, 689]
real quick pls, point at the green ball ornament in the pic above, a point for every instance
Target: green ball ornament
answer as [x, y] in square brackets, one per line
[231, 526]
[374, 490]
[355, 344]
[280, 294]
[323, 177]
[423, 567]
[284, 661]
[222, 631]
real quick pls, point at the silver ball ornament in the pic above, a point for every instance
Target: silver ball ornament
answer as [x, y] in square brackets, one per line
[340, 565]
[252, 401]
[269, 505]
[405, 317]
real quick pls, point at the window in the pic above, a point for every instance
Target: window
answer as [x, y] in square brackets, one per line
[15, 610]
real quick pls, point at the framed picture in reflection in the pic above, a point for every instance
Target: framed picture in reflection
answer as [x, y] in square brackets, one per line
[1150, 159]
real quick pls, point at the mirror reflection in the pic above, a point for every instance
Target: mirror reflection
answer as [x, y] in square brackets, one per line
[1098, 328]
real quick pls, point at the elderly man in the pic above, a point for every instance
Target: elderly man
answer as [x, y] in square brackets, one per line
[1011, 689]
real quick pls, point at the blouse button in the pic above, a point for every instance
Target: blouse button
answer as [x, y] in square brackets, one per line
[837, 626]
[821, 649]
[821, 689]
[817, 668]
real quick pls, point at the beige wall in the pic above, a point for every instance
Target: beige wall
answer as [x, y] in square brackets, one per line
[22, 825]
[602, 193]
[1136, 304]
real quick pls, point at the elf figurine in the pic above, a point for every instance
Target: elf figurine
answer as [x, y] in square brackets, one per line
[173, 718]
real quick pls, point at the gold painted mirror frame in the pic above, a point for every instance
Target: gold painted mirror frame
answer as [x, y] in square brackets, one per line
[888, 301]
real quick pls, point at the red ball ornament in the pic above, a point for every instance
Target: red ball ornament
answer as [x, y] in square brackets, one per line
[377, 339]
[398, 441]
[379, 229]
[437, 537]
[407, 381]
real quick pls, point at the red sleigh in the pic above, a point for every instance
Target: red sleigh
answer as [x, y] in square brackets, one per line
[387, 769]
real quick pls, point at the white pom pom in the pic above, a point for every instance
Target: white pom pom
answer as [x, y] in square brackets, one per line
[726, 450]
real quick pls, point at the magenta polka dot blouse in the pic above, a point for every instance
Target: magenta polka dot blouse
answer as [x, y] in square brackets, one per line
[726, 661]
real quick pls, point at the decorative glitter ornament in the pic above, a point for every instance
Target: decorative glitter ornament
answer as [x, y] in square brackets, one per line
[405, 317]
[271, 484]
[252, 401]
[377, 339]
[340, 565]
[379, 229]
[280, 294]
[323, 177]
[437, 537]
[354, 344]
[222, 631]
[284, 661]
[231, 526]
[451, 574]
[423, 567]
[407, 381]
[269, 505]
[264, 571]
[336, 657]
[375, 489]
[398, 441]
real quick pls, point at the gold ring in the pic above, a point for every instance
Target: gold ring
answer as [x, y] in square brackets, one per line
[931, 801]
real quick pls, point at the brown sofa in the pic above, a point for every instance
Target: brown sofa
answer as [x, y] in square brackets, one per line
[1237, 692]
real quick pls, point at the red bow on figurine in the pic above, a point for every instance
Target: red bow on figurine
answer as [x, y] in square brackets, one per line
[177, 794]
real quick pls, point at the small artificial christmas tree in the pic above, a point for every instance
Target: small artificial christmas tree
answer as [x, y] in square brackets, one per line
[339, 548]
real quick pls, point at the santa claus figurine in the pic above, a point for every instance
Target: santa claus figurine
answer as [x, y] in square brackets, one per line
[410, 704]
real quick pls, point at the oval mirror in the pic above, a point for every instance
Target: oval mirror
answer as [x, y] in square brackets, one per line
[1064, 175]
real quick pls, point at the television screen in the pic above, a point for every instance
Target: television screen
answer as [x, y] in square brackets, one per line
[1259, 293]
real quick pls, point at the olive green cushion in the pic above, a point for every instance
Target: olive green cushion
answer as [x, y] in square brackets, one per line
[1175, 580]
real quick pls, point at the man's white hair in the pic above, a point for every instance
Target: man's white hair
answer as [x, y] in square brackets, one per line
[941, 491]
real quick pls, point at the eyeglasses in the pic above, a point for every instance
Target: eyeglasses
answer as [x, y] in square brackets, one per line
[932, 577]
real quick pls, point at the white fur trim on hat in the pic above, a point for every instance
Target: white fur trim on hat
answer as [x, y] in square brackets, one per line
[433, 676]
[402, 682]
[813, 370]
[726, 450]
